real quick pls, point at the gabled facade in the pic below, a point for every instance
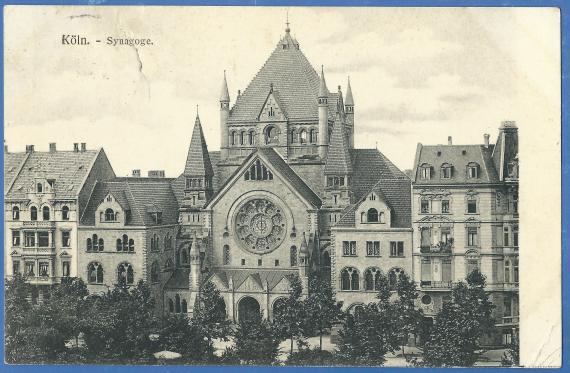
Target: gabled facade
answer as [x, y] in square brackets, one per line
[465, 214]
[45, 194]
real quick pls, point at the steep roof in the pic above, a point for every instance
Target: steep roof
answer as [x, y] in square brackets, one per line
[338, 155]
[139, 195]
[458, 156]
[13, 162]
[398, 196]
[67, 168]
[292, 76]
[178, 184]
[277, 163]
[198, 159]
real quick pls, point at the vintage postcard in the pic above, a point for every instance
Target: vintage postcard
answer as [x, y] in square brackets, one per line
[282, 186]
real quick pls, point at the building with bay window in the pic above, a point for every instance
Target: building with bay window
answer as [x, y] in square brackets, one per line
[465, 217]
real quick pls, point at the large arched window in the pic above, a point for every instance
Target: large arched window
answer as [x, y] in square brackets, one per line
[293, 256]
[33, 213]
[65, 213]
[95, 273]
[372, 278]
[154, 272]
[125, 274]
[349, 278]
[271, 135]
[227, 257]
[109, 215]
[15, 213]
[372, 215]
[394, 277]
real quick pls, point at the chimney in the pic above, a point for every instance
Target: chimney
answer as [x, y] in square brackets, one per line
[449, 140]
[75, 147]
[486, 138]
[29, 148]
[52, 148]
[156, 173]
[83, 146]
[136, 173]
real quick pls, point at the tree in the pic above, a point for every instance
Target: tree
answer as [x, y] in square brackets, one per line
[210, 316]
[182, 335]
[17, 312]
[369, 334]
[121, 321]
[511, 356]
[454, 340]
[290, 317]
[409, 318]
[256, 341]
[321, 306]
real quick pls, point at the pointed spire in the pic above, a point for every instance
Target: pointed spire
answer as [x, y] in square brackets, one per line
[198, 159]
[225, 94]
[304, 247]
[323, 91]
[349, 100]
[287, 29]
[338, 159]
[340, 103]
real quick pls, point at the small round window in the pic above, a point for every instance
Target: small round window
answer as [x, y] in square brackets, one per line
[426, 299]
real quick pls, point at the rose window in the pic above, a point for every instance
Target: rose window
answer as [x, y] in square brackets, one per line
[260, 226]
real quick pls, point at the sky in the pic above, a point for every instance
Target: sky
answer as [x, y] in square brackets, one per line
[417, 75]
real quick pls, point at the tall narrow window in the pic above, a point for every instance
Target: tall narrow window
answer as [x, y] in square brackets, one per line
[65, 268]
[472, 239]
[507, 270]
[227, 257]
[303, 136]
[65, 213]
[65, 238]
[109, 215]
[350, 279]
[372, 279]
[33, 213]
[125, 274]
[15, 213]
[444, 206]
[293, 256]
[424, 206]
[15, 238]
[95, 273]
[177, 304]
[154, 272]
[506, 235]
[394, 277]
[515, 235]
[472, 206]
[45, 213]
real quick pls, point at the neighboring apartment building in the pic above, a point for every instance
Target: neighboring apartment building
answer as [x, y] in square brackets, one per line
[373, 237]
[465, 217]
[45, 193]
[127, 233]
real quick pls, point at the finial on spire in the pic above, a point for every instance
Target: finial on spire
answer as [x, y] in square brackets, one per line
[197, 111]
[287, 29]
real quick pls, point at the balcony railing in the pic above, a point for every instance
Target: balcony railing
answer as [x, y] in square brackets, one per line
[509, 320]
[38, 224]
[438, 248]
[436, 284]
[38, 250]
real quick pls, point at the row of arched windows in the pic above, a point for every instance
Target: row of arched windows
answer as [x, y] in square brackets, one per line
[125, 273]
[95, 244]
[372, 216]
[178, 305]
[258, 171]
[242, 138]
[303, 136]
[45, 213]
[125, 244]
[350, 278]
[155, 242]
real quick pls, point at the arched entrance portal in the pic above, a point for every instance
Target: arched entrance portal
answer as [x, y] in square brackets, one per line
[278, 306]
[248, 309]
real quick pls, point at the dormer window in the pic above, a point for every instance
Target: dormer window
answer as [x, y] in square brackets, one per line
[425, 171]
[372, 216]
[157, 217]
[109, 215]
[446, 171]
[472, 170]
[39, 187]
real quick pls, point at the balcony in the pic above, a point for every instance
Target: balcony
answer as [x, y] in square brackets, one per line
[436, 285]
[438, 248]
[508, 321]
[38, 224]
[38, 250]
